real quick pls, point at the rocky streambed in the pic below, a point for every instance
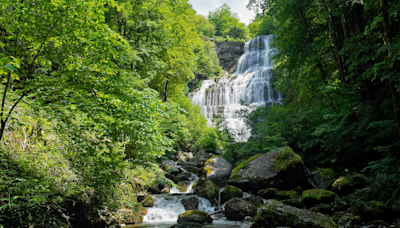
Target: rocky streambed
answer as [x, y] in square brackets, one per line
[269, 190]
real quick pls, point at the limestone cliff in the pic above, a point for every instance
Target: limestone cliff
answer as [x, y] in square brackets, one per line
[229, 54]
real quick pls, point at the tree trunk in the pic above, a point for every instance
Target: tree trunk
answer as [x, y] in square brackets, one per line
[335, 45]
[166, 88]
[388, 38]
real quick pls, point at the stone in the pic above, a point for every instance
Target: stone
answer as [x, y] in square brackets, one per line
[342, 186]
[209, 191]
[218, 170]
[230, 192]
[280, 168]
[349, 220]
[322, 177]
[194, 216]
[293, 202]
[190, 203]
[147, 201]
[276, 214]
[192, 169]
[183, 176]
[255, 200]
[183, 185]
[269, 193]
[323, 209]
[312, 197]
[198, 184]
[237, 209]
[282, 195]
[228, 54]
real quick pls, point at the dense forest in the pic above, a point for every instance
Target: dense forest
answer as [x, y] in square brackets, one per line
[94, 98]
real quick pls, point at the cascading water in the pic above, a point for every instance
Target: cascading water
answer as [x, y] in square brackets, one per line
[251, 83]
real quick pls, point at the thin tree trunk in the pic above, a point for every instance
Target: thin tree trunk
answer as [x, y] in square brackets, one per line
[166, 88]
[335, 45]
[388, 38]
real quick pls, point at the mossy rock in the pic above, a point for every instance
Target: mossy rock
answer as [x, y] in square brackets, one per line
[268, 193]
[323, 209]
[293, 202]
[194, 216]
[359, 180]
[317, 196]
[198, 184]
[280, 168]
[277, 214]
[230, 192]
[147, 201]
[342, 186]
[282, 195]
[328, 174]
[237, 209]
[298, 189]
[255, 200]
[209, 191]
[183, 185]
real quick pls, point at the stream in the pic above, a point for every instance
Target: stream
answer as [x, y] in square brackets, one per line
[167, 208]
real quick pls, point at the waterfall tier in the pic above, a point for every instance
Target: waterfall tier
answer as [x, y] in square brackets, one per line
[251, 83]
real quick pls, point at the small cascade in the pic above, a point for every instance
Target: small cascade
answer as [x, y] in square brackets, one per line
[165, 209]
[251, 83]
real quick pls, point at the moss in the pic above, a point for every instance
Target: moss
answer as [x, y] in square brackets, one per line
[317, 196]
[245, 164]
[286, 158]
[342, 186]
[287, 195]
[207, 166]
[195, 216]
[293, 202]
[328, 174]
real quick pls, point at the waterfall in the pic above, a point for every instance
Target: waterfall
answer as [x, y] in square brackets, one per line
[251, 83]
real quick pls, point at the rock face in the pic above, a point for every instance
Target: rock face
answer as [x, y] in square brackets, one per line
[280, 168]
[190, 203]
[237, 209]
[228, 54]
[276, 214]
[218, 170]
[194, 216]
[230, 192]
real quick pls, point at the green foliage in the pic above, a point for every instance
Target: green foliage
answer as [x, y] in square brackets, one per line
[227, 22]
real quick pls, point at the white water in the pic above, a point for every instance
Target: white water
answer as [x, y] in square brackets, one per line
[251, 83]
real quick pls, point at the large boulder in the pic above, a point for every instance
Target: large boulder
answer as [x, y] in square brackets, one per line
[317, 196]
[194, 216]
[342, 186]
[277, 214]
[190, 203]
[218, 170]
[237, 209]
[209, 191]
[280, 168]
[230, 192]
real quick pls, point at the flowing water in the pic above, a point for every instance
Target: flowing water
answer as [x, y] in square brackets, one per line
[251, 83]
[167, 208]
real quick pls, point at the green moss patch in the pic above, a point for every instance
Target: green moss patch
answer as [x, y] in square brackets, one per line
[285, 158]
[317, 196]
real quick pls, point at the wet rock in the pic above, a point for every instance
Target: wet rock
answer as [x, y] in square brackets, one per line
[342, 186]
[209, 191]
[183, 186]
[194, 216]
[280, 168]
[147, 201]
[230, 192]
[237, 209]
[218, 170]
[191, 203]
[183, 176]
[277, 214]
[269, 193]
[317, 196]
[255, 200]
